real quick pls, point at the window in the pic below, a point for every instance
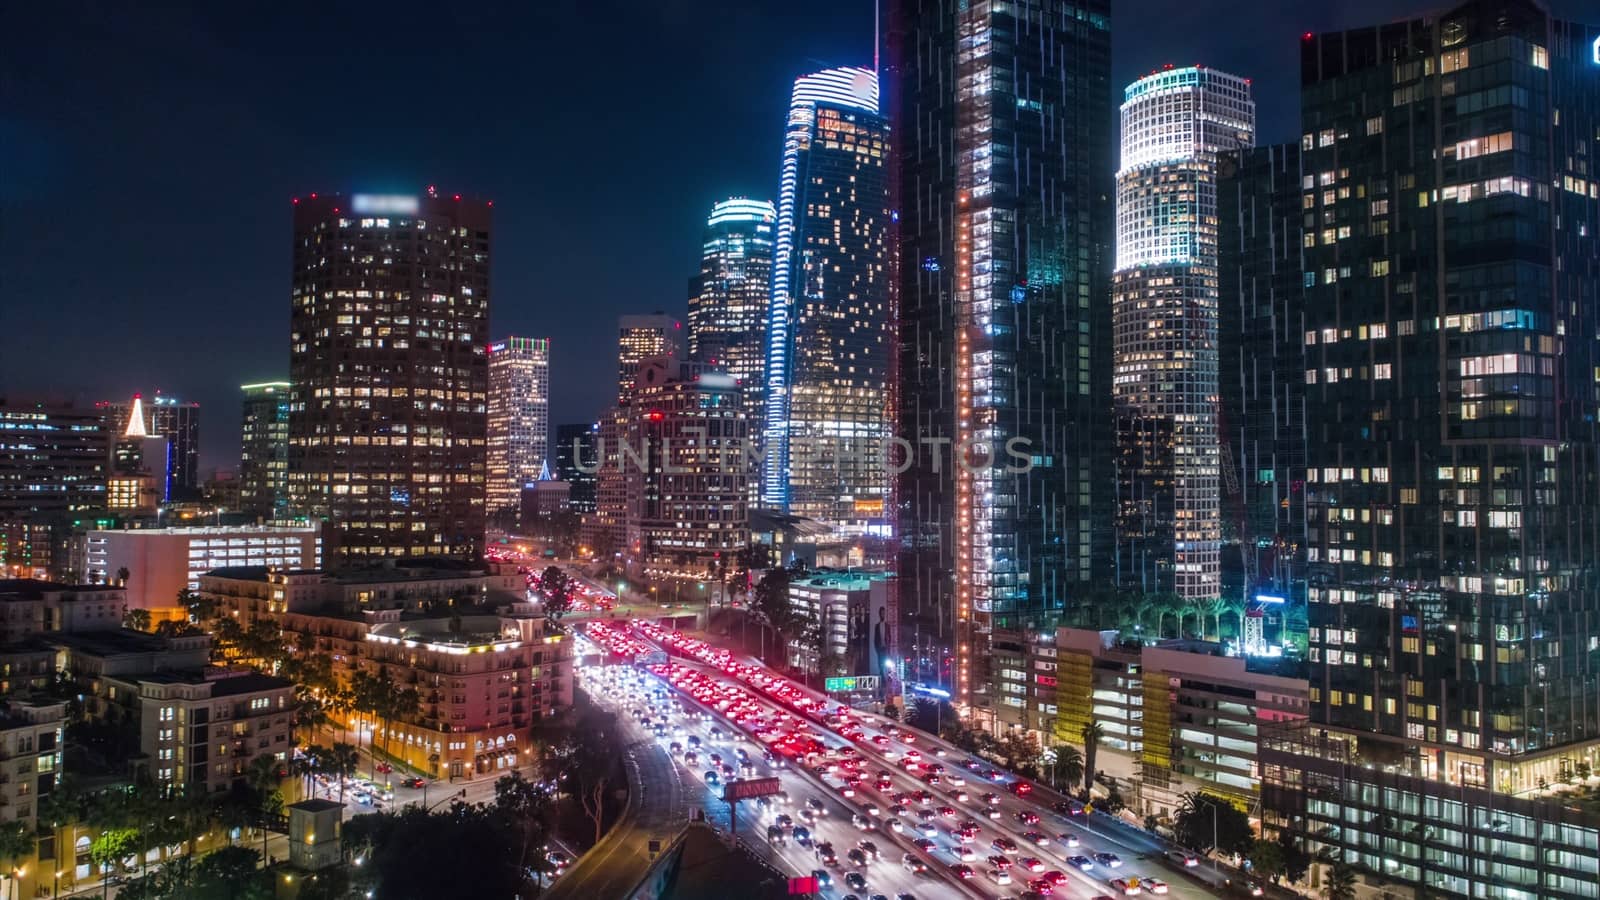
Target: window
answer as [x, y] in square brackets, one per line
[1380, 267]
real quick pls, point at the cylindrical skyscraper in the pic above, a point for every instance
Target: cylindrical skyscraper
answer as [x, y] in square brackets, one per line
[728, 299]
[1164, 310]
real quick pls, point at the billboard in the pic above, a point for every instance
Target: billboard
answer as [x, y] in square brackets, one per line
[850, 684]
[748, 788]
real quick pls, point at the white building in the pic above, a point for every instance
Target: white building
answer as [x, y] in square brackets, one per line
[1164, 310]
[519, 417]
[163, 561]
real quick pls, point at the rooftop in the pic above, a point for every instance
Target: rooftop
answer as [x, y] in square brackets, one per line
[121, 642]
[216, 530]
[34, 589]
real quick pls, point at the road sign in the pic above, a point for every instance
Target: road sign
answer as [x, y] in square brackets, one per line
[850, 684]
[747, 788]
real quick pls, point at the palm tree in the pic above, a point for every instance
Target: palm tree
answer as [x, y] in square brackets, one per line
[17, 843]
[1341, 882]
[341, 762]
[1069, 765]
[263, 775]
[308, 765]
[1092, 734]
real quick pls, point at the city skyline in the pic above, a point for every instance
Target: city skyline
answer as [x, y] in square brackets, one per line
[249, 259]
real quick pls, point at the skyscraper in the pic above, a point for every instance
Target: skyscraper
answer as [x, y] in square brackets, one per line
[519, 419]
[264, 449]
[1452, 293]
[1164, 311]
[830, 328]
[728, 299]
[1261, 370]
[54, 458]
[179, 423]
[640, 337]
[141, 464]
[575, 445]
[1003, 171]
[388, 369]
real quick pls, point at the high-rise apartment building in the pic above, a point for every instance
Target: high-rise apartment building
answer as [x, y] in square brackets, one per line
[264, 450]
[1452, 336]
[830, 326]
[575, 463]
[140, 479]
[1164, 310]
[177, 421]
[1003, 171]
[54, 459]
[388, 368]
[519, 419]
[728, 299]
[1261, 367]
[641, 337]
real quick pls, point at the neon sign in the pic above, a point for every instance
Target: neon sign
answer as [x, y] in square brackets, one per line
[1595, 51]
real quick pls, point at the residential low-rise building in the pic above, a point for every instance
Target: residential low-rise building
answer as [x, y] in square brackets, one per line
[30, 607]
[30, 757]
[852, 608]
[201, 729]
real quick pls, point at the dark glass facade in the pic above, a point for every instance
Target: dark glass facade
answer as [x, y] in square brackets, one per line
[1262, 419]
[1004, 165]
[582, 437]
[177, 421]
[264, 450]
[389, 372]
[1452, 288]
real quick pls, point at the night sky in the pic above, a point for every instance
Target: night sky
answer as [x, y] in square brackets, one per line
[148, 158]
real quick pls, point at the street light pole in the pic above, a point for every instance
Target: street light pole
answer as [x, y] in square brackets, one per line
[1214, 848]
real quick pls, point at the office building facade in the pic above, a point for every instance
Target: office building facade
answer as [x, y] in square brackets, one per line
[575, 463]
[830, 325]
[54, 459]
[389, 372]
[1452, 282]
[519, 419]
[1004, 333]
[641, 337]
[1261, 367]
[264, 450]
[728, 298]
[1164, 308]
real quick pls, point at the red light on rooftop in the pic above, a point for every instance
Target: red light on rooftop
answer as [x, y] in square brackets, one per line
[313, 195]
[458, 196]
[1307, 36]
[491, 202]
[295, 201]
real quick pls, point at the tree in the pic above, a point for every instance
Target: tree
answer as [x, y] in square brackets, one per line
[583, 762]
[1112, 803]
[400, 853]
[307, 766]
[556, 589]
[1206, 821]
[341, 762]
[1068, 766]
[17, 844]
[891, 712]
[113, 846]
[1092, 734]
[771, 606]
[1341, 883]
[1267, 859]
[136, 619]
[526, 807]
[1296, 861]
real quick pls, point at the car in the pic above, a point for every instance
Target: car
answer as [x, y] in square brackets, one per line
[712, 777]
[1000, 876]
[992, 812]
[1255, 889]
[801, 835]
[927, 829]
[871, 809]
[963, 853]
[899, 809]
[845, 790]
[1128, 887]
[923, 844]
[1185, 858]
[999, 861]
[931, 778]
[1004, 845]
[414, 782]
[1109, 860]
[825, 854]
[960, 835]
[385, 768]
[955, 779]
[855, 881]
[1083, 863]
[1068, 839]
[775, 835]
[816, 806]
[864, 823]
[675, 748]
[1031, 864]
[869, 848]
[1038, 839]
[824, 880]
[896, 826]
[558, 859]
[962, 871]
[989, 799]
[1055, 876]
[783, 820]
[856, 857]
[1154, 885]
[1028, 817]
[912, 864]
[1041, 887]
[1068, 808]
[948, 812]
[922, 797]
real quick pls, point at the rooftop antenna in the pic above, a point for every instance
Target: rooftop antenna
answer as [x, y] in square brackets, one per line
[877, 9]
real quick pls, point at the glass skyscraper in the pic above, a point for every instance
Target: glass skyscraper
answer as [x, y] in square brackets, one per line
[179, 422]
[829, 323]
[728, 299]
[519, 421]
[1164, 309]
[389, 371]
[264, 450]
[1003, 173]
[1452, 342]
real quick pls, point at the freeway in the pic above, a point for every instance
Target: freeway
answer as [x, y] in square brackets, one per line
[711, 742]
[1106, 859]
